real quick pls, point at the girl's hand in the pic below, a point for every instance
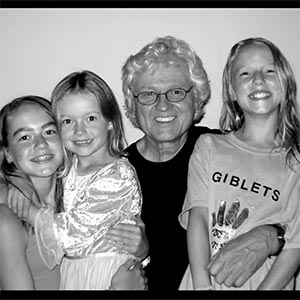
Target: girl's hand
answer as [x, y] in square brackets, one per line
[17, 202]
[129, 276]
[21, 205]
[131, 238]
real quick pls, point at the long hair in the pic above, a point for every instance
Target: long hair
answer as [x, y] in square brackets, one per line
[232, 117]
[8, 169]
[168, 50]
[87, 82]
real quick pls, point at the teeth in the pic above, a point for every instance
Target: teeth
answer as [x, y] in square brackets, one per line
[82, 142]
[42, 158]
[164, 119]
[260, 95]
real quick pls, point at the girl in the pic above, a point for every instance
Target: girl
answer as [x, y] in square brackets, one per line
[249, 176]
[31, 152]
[101, 188]
[31, 156]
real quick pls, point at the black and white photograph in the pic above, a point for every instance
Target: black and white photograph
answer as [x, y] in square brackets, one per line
[153, 149]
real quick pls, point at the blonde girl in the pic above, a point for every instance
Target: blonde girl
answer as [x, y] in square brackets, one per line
[250, 175]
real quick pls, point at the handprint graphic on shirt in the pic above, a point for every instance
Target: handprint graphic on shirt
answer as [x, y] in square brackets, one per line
[224, 227]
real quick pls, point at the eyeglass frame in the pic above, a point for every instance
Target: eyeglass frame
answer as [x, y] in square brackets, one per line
[159, 94]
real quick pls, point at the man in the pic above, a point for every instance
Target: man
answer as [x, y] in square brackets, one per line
[166, 89]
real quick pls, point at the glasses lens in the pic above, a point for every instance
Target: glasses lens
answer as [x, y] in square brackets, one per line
[147, 97]
[176, 94]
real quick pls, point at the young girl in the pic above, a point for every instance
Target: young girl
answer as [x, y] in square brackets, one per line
[249, 176]
[101, 188]
[31, 153]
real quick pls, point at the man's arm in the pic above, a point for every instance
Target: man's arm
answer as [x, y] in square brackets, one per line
[282, 271]
[131, 238]
[129, 276]
[241, 257]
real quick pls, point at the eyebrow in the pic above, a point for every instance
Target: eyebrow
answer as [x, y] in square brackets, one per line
[52, 123]
[86, 114]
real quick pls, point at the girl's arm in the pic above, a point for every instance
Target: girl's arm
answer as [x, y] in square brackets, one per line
[4, 190]
[198, 247]
[15, 272]
[282, 270]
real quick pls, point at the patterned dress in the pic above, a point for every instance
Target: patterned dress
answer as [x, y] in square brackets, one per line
[93, 204]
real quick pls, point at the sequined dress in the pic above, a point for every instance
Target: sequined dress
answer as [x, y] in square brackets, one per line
[76, 238]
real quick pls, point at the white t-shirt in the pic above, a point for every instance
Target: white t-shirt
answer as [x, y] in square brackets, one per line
[254, 185]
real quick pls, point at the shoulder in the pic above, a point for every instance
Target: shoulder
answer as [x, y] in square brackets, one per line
[207, 143]
[209, 138]
[124, 167]
[196, 131]
[122, 170]
[199, 130]
[10, 226]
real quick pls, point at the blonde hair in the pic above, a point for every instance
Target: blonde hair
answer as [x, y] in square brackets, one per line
[232, 117]
[90, 83]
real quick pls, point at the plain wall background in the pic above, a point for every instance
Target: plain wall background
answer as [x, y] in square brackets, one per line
[41, 46]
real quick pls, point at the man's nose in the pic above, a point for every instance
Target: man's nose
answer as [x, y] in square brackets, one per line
[162, 102]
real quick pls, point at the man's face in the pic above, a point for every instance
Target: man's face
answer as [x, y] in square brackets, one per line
[164, 121]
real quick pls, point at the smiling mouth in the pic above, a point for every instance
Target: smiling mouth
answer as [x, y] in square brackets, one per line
[164, 119]
[258, 95]
[43, 158]
[82, 142]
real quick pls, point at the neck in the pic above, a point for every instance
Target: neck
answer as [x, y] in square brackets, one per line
[93, 163]
[259, 133]
[160, 151]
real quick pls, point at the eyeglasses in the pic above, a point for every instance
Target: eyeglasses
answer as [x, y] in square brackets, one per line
[172, 95]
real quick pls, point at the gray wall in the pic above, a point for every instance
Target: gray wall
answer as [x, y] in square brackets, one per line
[39, 46]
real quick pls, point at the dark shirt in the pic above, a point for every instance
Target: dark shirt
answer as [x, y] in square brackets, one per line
[163, 187]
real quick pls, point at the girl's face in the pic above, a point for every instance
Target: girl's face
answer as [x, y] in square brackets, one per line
[255, 81]
[83, 127]
[33, 141]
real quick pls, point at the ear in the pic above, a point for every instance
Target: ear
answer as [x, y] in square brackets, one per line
[198, 111]
[110, 126]
[8, 156]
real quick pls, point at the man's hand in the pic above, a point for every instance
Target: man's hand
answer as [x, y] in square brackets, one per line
[241, 257]
[131, 238]
[129, 276]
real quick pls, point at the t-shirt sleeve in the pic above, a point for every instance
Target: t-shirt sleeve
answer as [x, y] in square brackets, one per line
[291, 213]
[197, 186]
